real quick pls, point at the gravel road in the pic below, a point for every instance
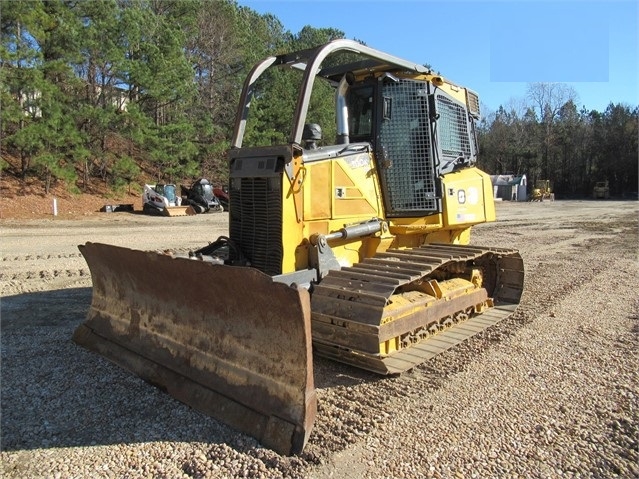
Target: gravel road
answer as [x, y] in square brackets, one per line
[551, 392]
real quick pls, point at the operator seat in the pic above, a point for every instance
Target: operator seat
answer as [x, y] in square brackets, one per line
[311, 134]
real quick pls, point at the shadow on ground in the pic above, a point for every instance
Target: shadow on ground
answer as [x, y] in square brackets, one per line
[54, 393]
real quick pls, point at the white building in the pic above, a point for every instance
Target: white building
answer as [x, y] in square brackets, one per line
[509, 187]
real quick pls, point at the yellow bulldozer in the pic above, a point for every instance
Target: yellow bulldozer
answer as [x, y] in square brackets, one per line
[601, 190]
[354, 248]
[542, 191]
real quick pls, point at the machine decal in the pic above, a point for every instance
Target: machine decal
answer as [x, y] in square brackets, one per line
[358, 161]
[466, 218]
[461, 197]
[472, 196]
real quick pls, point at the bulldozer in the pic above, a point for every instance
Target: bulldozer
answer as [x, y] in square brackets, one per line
[542, 191]
[601, 190]
[355, 248]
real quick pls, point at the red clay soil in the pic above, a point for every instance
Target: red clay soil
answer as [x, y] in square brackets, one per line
[23, 199]
[27, 200]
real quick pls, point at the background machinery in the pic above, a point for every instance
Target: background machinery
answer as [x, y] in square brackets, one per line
[201, 196]
[353, 247]
[601, 191]
[161, 199]
[222, 194]
[542, 191]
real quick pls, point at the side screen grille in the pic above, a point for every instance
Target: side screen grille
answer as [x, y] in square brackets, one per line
[408, 172]
[452, 127]
[473, 103]
[255, 222]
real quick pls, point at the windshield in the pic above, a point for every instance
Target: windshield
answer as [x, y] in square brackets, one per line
[207, 191]
[168, 192]
[360, 113]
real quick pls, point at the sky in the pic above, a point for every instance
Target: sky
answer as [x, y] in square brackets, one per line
[496, 48]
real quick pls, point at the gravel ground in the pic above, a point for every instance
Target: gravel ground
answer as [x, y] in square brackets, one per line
[551, 392]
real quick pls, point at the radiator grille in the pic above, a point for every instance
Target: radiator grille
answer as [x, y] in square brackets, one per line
[408, 171]
[256, 221]
[452, 127]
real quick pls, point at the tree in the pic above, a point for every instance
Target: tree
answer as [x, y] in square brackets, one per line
[23, 79]
[101, 103]
[568, 150]
[618, 159]
[552, 140]
[160, 83]
[38, 48]
[215, 48]
[507, 141]
[547, 100]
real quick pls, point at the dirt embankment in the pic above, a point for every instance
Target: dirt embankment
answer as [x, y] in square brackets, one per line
[20, 200]
[26, 198]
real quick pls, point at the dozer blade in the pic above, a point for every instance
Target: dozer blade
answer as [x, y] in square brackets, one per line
[225, 340]
[179, 211]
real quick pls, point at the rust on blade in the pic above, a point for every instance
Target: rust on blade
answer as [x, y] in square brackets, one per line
[225, 340]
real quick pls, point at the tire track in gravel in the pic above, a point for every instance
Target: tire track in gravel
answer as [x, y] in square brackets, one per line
[44, 274]
[29, 273]
[40, 257]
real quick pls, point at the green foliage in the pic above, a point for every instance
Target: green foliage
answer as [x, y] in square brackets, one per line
[4, 164]
[103, 87]
[125, 170]
[160, 79]
[173, 151]
[52, 166]
[275, 97]
[548, 138]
